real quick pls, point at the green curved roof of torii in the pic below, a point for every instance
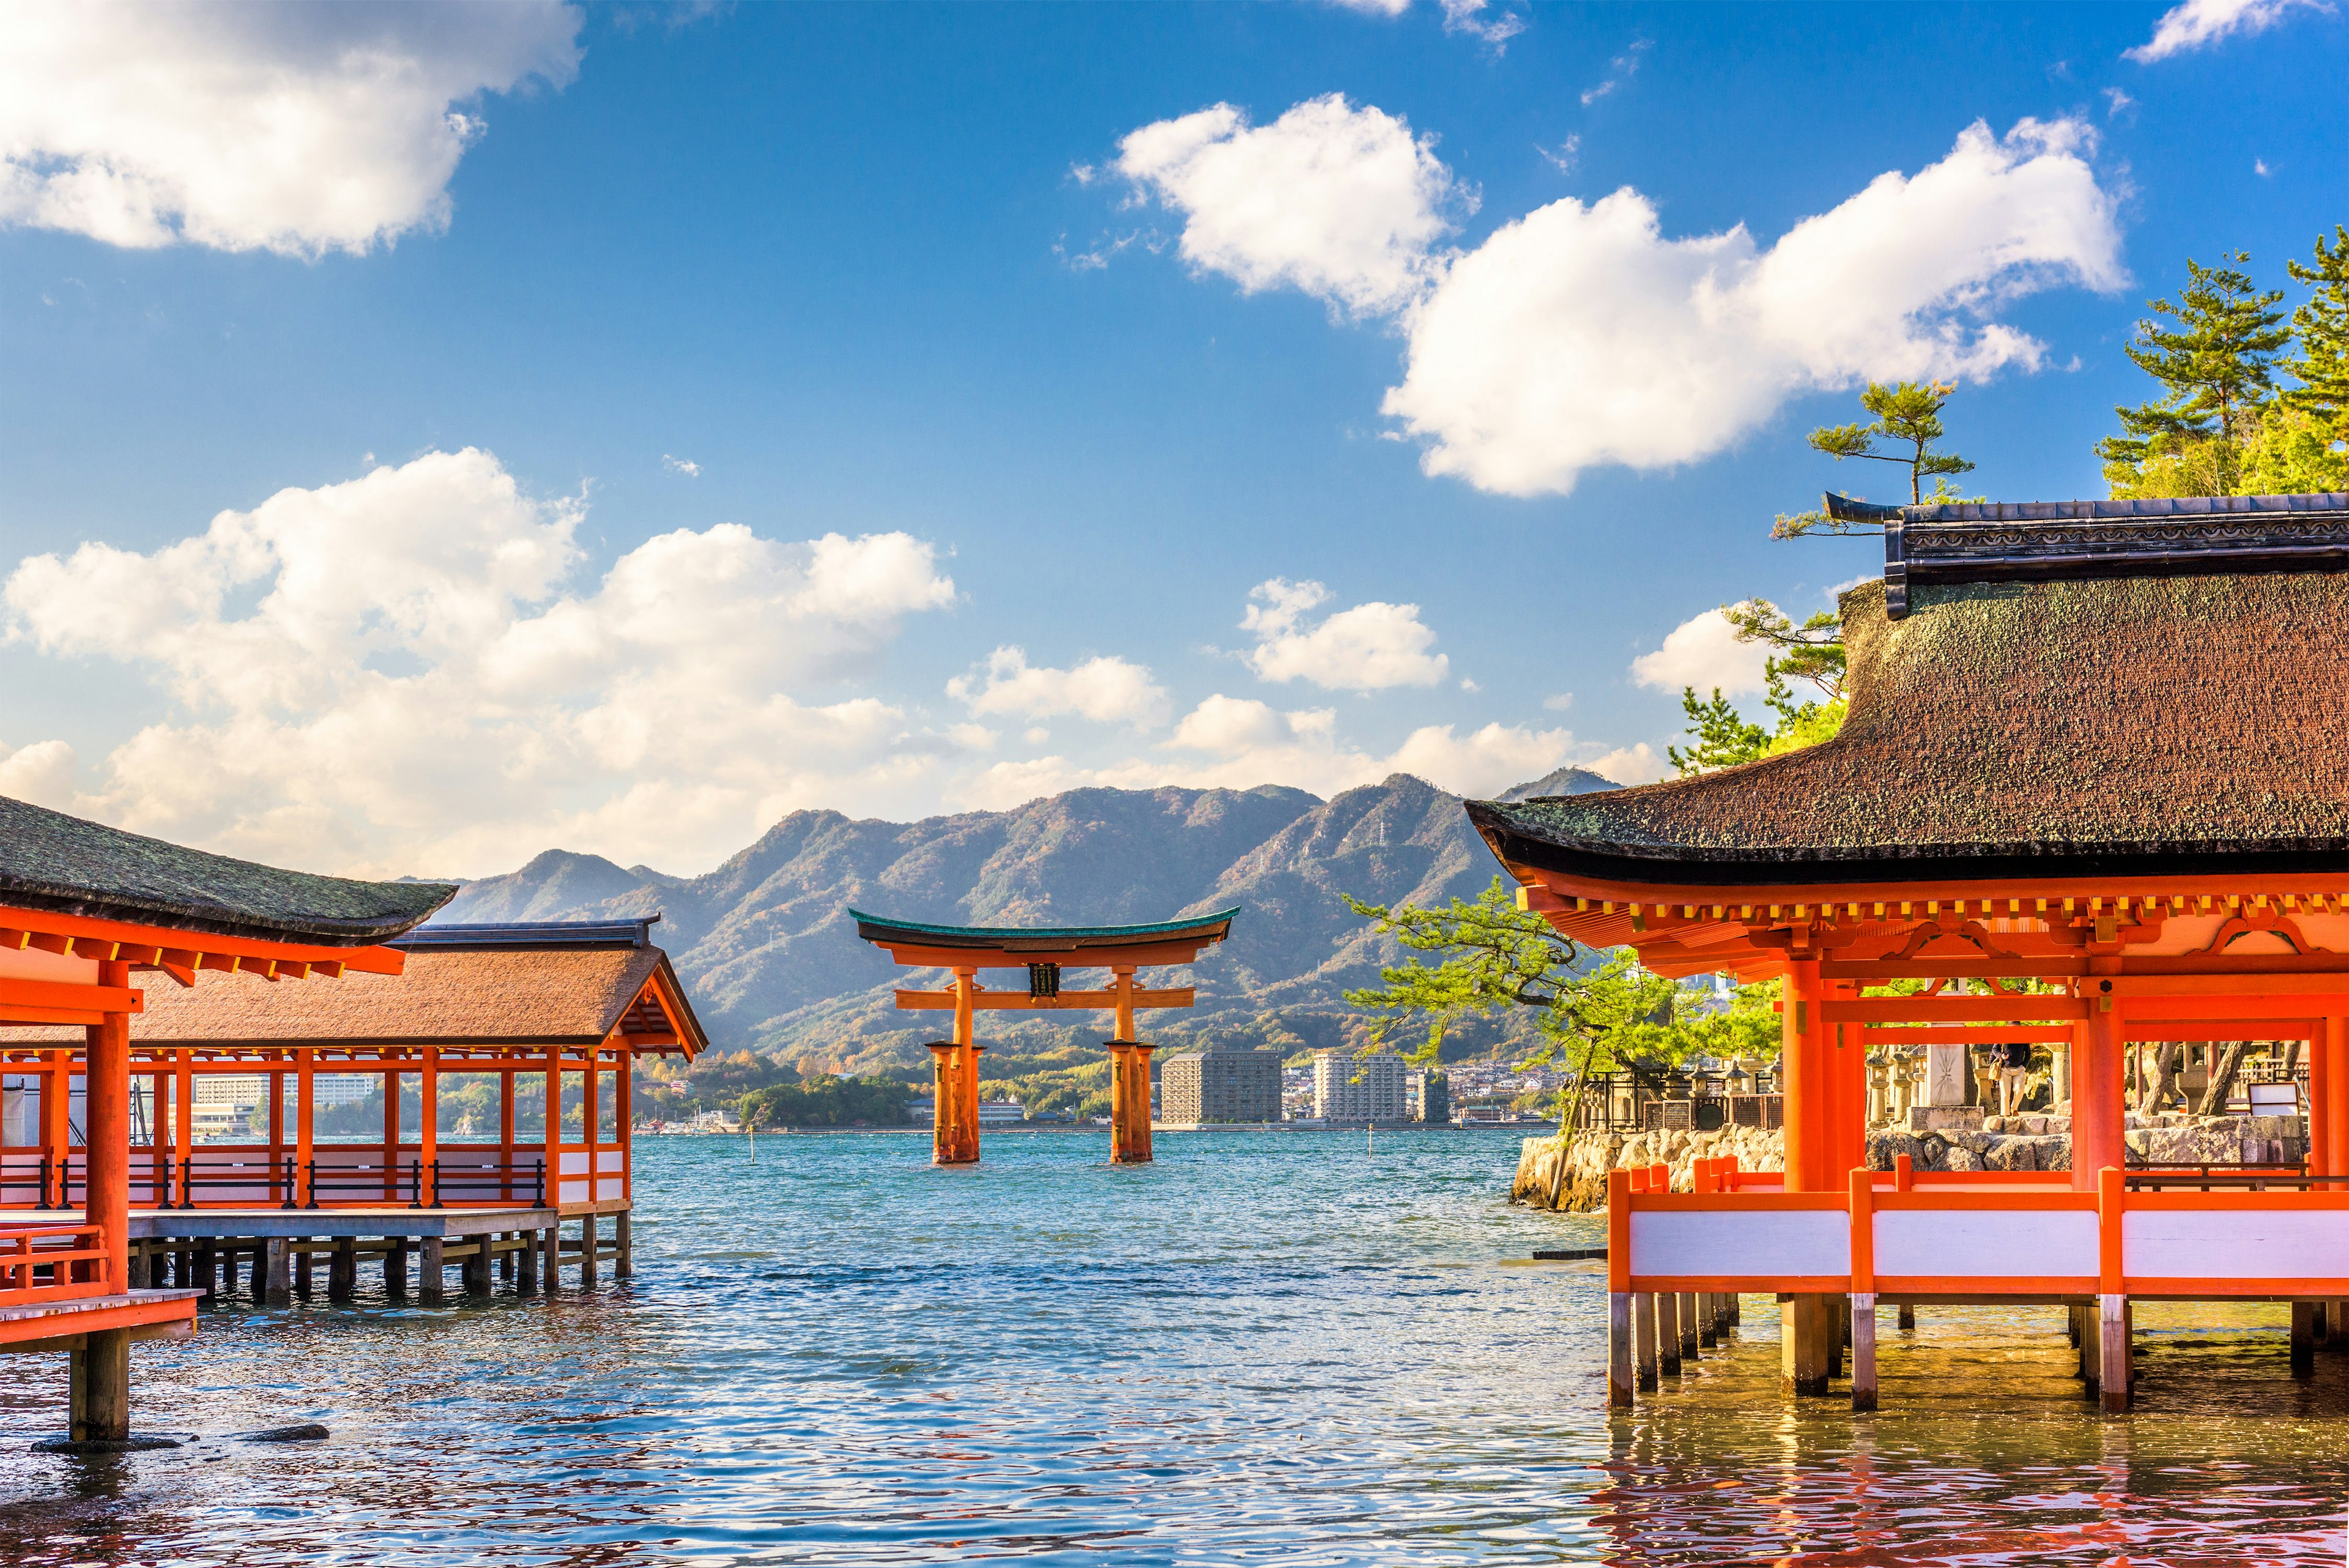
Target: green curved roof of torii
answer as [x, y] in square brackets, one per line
[875, 927]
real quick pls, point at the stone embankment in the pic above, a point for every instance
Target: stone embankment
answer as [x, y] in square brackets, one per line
[1573, 1177]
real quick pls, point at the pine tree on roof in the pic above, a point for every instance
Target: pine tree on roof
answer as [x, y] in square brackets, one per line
[2217, 365]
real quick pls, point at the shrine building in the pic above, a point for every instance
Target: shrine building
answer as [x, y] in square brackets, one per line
[91, 919]
[2092, 789]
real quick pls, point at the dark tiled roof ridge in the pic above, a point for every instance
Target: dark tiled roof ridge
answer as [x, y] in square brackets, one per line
[52, 861]
[1852, 509]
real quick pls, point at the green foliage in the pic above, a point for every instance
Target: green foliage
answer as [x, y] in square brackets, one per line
[825, 1102]
[1721, 737]
[1812, 651]
[2321, 325]
[1906, 413]
[2217, 368]
[1590, 1018]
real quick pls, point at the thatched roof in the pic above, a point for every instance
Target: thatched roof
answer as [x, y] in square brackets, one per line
[2114, 725]
[63, 863]
[447, 996]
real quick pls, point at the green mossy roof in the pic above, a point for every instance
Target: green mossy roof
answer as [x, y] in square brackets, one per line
[2099, 720]
[52, 861]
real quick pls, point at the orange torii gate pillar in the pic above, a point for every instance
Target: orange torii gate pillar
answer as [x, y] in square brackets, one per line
[1043, 954]
[1129, 1101]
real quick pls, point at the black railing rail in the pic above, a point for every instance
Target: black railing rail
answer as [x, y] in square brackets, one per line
[242, 1170]
[2151, 1176]
[380, 1181]
[491, 1178]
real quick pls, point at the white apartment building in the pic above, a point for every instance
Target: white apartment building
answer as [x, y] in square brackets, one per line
[1350, 1088]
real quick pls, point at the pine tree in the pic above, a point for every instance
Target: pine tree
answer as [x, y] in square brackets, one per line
[2322, 324]
[2218, 367]
[1721, 737]
[1906, 411]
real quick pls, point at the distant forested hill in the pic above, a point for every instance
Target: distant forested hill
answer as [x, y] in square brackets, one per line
[771, 959]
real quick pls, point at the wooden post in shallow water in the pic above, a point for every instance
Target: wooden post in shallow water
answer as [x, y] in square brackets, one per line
[1622, 1339]
[1863, 1351]
[1643, 1338]
[2303, 1338]
[1691, 1337]
[2113, 1370]
[1668, 1333]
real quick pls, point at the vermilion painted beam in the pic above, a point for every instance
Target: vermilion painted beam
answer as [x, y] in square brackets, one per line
[1145, 956]
[1020, 1002]
[54, 993]
[153, 945]
[1955, 1009]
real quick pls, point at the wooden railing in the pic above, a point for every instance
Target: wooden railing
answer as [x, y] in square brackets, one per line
[338, 1176]
[53, 1263]
[1975, 1235]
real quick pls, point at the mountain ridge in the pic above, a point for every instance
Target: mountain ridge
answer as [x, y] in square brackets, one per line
[773, 963]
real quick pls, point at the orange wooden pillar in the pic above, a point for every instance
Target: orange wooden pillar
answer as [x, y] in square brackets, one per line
[1129, 1101]
[305, 1129]
[57, 1136]
[101, 1372]
[2098, 1096]
[2320, 1109]
[954, 1123]
[1811, 1325]
[2334, 1033]
[1806, 1079]
[427, 1130]
[1846, 1046]
[1129, 1081]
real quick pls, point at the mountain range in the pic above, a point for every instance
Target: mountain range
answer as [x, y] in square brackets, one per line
[772, 962]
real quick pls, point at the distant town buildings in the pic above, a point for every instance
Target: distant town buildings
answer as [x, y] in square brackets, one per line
[1428, 1096]
[1220, 1084]
[1348, 1087]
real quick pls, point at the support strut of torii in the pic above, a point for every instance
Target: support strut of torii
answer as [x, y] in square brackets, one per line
[964, 950]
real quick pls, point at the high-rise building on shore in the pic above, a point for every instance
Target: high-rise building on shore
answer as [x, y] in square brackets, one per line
[1428, 1096]
[1353, 1088]
[1220, 1085]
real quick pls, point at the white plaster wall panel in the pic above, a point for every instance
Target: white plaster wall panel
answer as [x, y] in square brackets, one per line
[2235, 1243]
[1986, 1243]
[611, 1159]
[1763, 1243]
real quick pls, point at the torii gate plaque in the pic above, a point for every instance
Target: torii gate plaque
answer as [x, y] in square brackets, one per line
[1043, 954]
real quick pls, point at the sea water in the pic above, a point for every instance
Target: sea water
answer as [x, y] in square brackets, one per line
[1296, 1348]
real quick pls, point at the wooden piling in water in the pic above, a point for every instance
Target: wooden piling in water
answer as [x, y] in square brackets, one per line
[624, 1261]
[1668, 1333]
[587, 1252]
[1691, 1337]
[1863, 1351]
[1618, 1349]
[1708, 1319]
[2305, 1318]
[2113, 1354]
[1643, 1338]
[343, 1270]
[278, 1290]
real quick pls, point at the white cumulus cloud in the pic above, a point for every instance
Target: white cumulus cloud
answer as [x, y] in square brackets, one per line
[1238, 743]
[1703, 651]
[1581, 334]
[1365, 648]
[288, 127]
[1107, 690]
[1345, 203]
[403, 673]
[2199, 22]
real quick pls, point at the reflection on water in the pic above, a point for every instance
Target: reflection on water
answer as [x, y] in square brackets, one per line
[1265, 1348]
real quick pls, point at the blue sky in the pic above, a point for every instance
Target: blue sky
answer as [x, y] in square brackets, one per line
[1123, 447]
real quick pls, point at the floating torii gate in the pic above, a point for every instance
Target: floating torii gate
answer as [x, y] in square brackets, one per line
[1043, 952]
